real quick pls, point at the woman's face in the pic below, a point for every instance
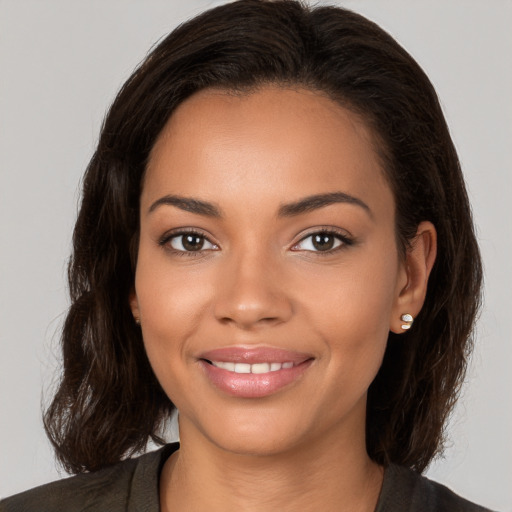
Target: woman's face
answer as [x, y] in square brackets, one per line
[267, 246]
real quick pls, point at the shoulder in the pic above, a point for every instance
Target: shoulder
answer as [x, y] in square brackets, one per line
[405, 490]
[116, 488]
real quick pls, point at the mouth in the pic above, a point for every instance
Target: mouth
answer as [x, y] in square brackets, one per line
[253, 372]
[257, 368]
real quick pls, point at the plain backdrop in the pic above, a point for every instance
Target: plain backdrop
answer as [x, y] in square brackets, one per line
[61, 63]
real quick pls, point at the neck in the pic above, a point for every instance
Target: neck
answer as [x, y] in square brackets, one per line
[331, 474]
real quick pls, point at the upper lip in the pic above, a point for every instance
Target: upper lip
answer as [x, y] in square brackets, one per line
[252, 355]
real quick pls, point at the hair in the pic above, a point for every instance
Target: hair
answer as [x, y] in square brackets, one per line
[109, 403]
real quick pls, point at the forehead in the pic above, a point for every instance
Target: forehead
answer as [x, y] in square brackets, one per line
[273, 141]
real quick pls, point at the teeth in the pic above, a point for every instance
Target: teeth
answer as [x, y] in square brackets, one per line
[260, 368]
[242, 368]
[225, 366]
[252, 368]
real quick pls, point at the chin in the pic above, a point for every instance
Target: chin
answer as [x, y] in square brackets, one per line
[248, 432]
[255, 444]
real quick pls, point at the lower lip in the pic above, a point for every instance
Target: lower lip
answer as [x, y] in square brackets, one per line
[253, 385]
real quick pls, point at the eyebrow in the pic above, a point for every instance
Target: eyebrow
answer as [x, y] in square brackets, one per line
[304, 205]
[317, 201]
[188, 204]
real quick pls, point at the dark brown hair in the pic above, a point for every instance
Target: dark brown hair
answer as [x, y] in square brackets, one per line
[109, 403]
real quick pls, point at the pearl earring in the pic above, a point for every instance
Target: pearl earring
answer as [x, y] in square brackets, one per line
[407, 320]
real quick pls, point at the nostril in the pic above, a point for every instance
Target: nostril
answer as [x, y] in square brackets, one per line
[252, 303]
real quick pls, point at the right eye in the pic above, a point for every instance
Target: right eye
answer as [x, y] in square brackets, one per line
[189, 242]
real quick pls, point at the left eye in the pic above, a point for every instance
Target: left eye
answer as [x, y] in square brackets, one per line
[320, 242]
[190, 242]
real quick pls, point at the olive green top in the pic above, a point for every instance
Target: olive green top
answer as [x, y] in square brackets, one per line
[132, 486]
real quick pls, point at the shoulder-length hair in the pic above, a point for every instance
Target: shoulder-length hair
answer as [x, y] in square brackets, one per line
[109, 403]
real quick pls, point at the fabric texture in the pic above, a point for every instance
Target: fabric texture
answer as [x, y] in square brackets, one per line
[132, 486]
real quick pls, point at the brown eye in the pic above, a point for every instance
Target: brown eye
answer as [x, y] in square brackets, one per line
[323, 241]
[190, 242]
[193, 242]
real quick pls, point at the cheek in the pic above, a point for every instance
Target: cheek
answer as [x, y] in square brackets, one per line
[171, 304]
[358, 296]
[169, 300]
[351, 310]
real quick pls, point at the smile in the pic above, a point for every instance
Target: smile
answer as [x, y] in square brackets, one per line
[252, 368]
[253, 372]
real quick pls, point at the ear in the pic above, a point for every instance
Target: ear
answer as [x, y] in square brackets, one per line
[412, 286]
[134, 306]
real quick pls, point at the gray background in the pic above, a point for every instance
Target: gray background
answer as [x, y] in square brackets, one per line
[61, 62]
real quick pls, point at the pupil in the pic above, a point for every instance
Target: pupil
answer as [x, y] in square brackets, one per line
[323, 242]
[192, 242]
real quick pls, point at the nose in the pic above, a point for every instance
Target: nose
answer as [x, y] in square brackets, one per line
[251, 292]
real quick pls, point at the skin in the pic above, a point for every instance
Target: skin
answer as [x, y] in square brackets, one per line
[259, 281]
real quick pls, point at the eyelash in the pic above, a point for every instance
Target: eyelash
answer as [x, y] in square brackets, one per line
[342, 237]
[164, 242]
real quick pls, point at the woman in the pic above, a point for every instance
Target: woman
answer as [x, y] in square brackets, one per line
[275, 239]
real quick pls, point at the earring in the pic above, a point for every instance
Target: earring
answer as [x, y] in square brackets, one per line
[407, 320]
[137, 320]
